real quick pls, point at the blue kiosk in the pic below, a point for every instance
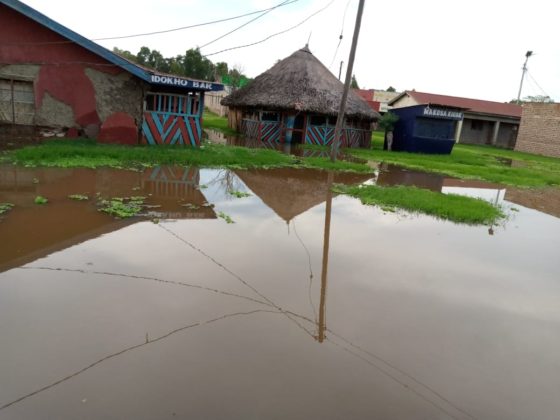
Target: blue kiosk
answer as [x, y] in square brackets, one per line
[425, 128]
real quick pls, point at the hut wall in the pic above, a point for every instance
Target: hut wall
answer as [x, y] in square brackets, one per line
[61, 84]
[235, 116]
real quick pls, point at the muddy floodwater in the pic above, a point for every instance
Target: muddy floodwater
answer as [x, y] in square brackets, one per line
[258, 295]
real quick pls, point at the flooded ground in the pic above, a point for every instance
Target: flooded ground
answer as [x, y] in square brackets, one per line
[180, 314]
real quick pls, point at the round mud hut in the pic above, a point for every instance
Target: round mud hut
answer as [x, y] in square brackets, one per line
[297, 101]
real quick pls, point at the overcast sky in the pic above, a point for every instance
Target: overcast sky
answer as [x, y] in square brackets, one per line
[474, 48]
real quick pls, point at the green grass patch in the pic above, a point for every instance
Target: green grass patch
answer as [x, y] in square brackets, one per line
[215, 122]
[5, 207]
[377, 139]
[88, 154]
[451, 207]
[476, 162]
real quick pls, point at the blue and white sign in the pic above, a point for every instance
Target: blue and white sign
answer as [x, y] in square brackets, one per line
[184, 83]
[448, 114]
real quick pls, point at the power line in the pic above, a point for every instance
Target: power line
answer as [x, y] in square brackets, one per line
[273, 35]
[341, 33]
[198, 24]
[536, 83]
[284, 3]
[163, 31]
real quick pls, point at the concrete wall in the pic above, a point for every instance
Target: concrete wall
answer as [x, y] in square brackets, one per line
[476, 131]
[212, 102]
[539, 131]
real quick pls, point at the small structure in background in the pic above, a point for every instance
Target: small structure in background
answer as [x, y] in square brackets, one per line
[426, 128]
[540, 129]
[53, 77]
[377, 99]
[484, 122]
[296, 101]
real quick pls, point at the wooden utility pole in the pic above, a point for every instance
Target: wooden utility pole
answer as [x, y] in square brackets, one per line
[322, 327]
[349, 68]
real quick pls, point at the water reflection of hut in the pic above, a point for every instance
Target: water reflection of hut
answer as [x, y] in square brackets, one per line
[291, 192]
[297, 101]
[31, 232]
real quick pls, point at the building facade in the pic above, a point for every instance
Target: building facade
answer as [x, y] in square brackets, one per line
[484, 122]
[53, 77]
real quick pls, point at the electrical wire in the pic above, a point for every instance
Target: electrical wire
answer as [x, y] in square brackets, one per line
[163, 31]
[273, 35]
[341, 33]
[537, 84]
[284, 3]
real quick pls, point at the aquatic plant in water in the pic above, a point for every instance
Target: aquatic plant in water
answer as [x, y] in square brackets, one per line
[122, 208]
[226, 217]
[5, 207]
[78, 197]
[41, 200]
[239, 194]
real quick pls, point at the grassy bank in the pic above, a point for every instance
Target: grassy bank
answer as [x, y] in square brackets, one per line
[451, 207]
[474, 162]
[215, 122]
[88, 154]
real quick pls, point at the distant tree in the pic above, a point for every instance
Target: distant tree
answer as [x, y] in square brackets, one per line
[536, 98]
[221, 69]
[125, 54]
[175, 65]
[152, 59]
[387, 123]
[197, 66]
[354, 83]
[391, 89]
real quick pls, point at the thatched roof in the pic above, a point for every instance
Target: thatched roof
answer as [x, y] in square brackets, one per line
[299, 82]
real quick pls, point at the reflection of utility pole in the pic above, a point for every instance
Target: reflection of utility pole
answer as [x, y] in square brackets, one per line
[324, 268]
[349, 68]
[527, 55]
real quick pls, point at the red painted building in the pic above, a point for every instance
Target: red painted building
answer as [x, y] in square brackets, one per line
[53, 77]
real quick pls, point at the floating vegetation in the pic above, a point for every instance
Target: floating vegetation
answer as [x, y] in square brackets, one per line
[226, 217]
[122, 208]
[41, 200]
[191, 206]
[5, 207]
[78, 197]
[239, 194]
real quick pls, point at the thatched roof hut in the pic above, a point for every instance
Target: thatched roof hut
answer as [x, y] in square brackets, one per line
[297, 100]
[299, 82]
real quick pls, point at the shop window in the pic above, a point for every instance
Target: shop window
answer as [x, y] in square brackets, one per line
[317, 120]
[433, 128]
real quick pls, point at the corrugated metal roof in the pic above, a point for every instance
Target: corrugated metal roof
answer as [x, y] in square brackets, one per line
[473, 105]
